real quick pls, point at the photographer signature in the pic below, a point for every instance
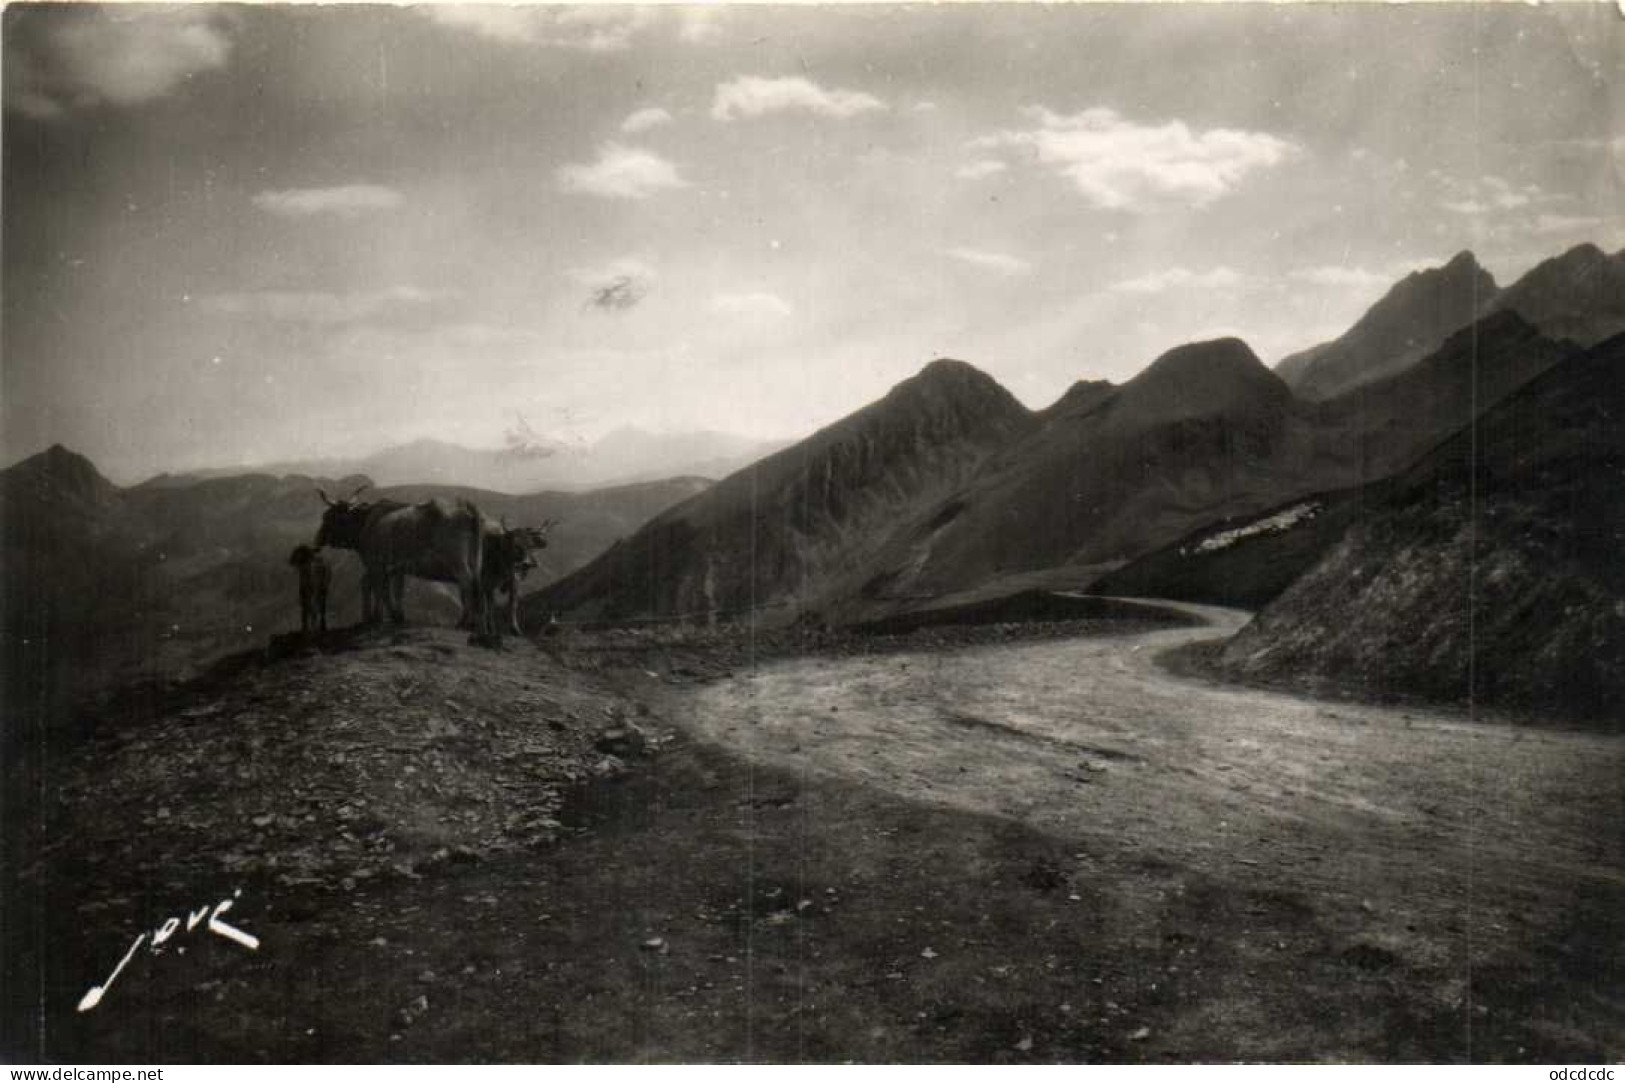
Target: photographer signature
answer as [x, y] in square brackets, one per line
[167, 930]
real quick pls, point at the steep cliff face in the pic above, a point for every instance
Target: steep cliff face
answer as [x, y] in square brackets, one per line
[793, 527]
[1490, 574]
[1411, 321]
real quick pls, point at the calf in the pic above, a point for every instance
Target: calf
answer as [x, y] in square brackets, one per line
[314, 577]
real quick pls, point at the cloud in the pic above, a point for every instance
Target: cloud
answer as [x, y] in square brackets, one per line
[751, 304]
[316, 306]
[594, 28]
[1340, 277]
[621, 172]
[345, 200]
[1117, 164]
[1180, 278]
[1546, 224]
[981, 168]
[992, 261]
[644, 119]
[62, 59]
[1486, 195]
[753, 96]
[618, 286]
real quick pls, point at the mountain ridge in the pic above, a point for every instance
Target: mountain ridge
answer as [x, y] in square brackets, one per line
[792, 525]
[1410, 321]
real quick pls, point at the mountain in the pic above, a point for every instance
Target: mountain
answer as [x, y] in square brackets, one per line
[856, 524]
[1248, 559]
[623, 456]
[793, 527]
[1207, 430]
[1579, 295]
[1411, 321]
[1490, 574]
[99, 583]
[1390, 421]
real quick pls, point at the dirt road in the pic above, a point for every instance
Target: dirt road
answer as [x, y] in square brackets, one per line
[1042, 851]
[1465, 855]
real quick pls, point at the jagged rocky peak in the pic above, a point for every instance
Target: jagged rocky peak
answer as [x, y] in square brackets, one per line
[1462, 280]
[1408, 323]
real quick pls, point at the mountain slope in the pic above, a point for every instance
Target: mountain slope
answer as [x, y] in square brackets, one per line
[1579, 295]
[99, 583]
[1205, 431]
[1391, 421]
[792, 526]
[1492, 572]
[1248, 560]
[1408, 323]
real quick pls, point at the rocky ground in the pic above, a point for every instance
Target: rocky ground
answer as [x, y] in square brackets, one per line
[611, 846]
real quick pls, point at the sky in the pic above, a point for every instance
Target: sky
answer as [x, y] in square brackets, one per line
[245, 234]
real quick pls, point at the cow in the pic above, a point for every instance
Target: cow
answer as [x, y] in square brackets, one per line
[507, 561]
[437, 539]
[314, 578]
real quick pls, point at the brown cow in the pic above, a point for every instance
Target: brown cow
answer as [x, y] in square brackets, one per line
[437, 540]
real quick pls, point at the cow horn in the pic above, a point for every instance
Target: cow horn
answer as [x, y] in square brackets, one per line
[361, 490]
[323, 494]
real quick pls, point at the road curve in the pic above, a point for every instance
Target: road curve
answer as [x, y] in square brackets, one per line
[1091, 738]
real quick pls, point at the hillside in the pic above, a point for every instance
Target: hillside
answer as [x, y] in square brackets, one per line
[1247, 560]
[856, 523]
[1206, 431]
[1408, 323]
[795, 525]
[1579, 295]
[1393, 420]
[1490, 575]
[101, 583]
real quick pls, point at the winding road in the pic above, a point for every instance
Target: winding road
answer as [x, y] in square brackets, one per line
[1458, 833]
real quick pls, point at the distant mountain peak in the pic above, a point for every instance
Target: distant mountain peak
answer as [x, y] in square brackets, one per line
[1463, 261]
[1585, 251]
[1206, 363]
[948, 364]
[960, 384]
[1411, 320]
[1579, 295]
[949, 371]
[1198, 379]
[63, 472]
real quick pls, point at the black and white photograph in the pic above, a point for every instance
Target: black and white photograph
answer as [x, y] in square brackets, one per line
[829, 533]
